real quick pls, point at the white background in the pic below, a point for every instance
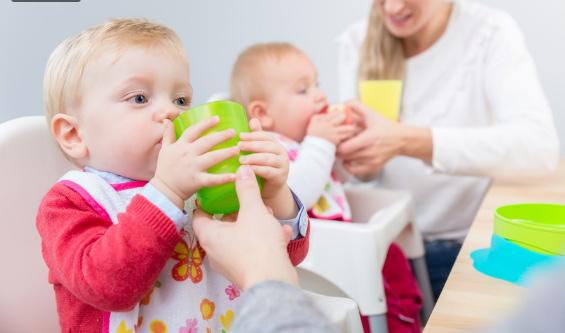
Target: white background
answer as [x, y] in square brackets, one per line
[215, 31]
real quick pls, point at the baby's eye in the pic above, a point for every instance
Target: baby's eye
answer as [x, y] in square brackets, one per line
[181, 101]
[302, 91]
[138, 99]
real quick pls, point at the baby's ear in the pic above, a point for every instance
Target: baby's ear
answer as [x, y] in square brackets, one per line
[258, 109]
[65, 130]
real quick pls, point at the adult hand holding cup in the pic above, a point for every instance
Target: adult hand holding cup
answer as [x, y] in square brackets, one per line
[220, 199]
[252, 249]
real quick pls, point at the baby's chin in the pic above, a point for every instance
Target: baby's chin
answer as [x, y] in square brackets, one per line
[299, 138]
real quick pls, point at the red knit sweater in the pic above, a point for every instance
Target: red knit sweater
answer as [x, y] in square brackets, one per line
[96, 266]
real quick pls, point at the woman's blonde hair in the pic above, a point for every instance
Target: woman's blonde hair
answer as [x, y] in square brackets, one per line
[61, 83]
[247, 74]
[382, 54]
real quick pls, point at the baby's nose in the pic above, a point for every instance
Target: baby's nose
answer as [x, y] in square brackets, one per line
[320, 95]
[169, 111]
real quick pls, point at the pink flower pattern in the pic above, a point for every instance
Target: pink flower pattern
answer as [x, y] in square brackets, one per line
[190, 326]
[233, 292]
[292, 154]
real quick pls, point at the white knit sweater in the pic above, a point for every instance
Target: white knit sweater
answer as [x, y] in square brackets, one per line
[478, 90]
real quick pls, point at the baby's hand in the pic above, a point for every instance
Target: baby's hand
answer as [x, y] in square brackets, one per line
[182, 164]
[269, 159]
[330, 126]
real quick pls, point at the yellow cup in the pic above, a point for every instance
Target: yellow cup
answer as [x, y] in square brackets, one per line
[383, 96]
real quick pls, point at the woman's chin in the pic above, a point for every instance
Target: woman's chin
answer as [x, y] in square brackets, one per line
[399, 33]
[399, 30]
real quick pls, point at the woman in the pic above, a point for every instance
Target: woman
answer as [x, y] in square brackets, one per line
[472, 109]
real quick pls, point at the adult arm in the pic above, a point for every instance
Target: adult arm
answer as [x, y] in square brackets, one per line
[108, 266]
[275, 306]
[523, 139]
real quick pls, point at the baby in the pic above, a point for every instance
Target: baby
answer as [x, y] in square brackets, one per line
[118, 242]
[278, 84]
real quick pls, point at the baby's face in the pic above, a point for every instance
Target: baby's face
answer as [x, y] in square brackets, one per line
[293, 95]
[124, 101]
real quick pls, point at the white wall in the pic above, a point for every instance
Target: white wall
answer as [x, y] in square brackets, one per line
[215, 31]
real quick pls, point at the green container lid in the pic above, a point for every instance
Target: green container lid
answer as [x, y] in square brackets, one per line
[537, 227]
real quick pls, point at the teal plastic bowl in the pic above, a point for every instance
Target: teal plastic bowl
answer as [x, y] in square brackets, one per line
[537, 227]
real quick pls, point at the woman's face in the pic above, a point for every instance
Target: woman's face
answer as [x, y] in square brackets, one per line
[405, 18]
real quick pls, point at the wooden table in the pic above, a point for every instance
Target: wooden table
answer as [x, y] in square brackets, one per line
[471, 299]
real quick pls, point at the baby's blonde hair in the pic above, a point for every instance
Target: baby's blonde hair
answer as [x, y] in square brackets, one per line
[63, 74]
[247, 75]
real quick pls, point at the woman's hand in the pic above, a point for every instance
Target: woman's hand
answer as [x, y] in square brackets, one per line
[380, 140]
[370, 149]
[253, 248]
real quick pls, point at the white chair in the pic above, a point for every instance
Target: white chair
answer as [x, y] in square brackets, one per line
[30, 164]
[346, 259]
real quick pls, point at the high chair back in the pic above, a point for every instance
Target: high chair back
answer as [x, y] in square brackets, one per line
[30, 164]
[346, 259]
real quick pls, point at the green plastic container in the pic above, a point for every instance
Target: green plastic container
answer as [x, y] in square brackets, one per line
[535, 226]
[221, 199]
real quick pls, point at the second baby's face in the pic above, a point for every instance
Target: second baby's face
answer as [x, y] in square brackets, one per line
[293, 95]
[125, 98]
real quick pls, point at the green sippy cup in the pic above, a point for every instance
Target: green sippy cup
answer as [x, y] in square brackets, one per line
[220, 199]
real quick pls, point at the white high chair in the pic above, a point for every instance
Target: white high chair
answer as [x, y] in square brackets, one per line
[30, 164]
[346, 259]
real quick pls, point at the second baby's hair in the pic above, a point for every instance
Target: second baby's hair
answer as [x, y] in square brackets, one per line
[246, 77]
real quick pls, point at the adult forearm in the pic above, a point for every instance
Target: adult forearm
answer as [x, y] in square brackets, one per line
[275, 306]
[417, 143]
[491, 151]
